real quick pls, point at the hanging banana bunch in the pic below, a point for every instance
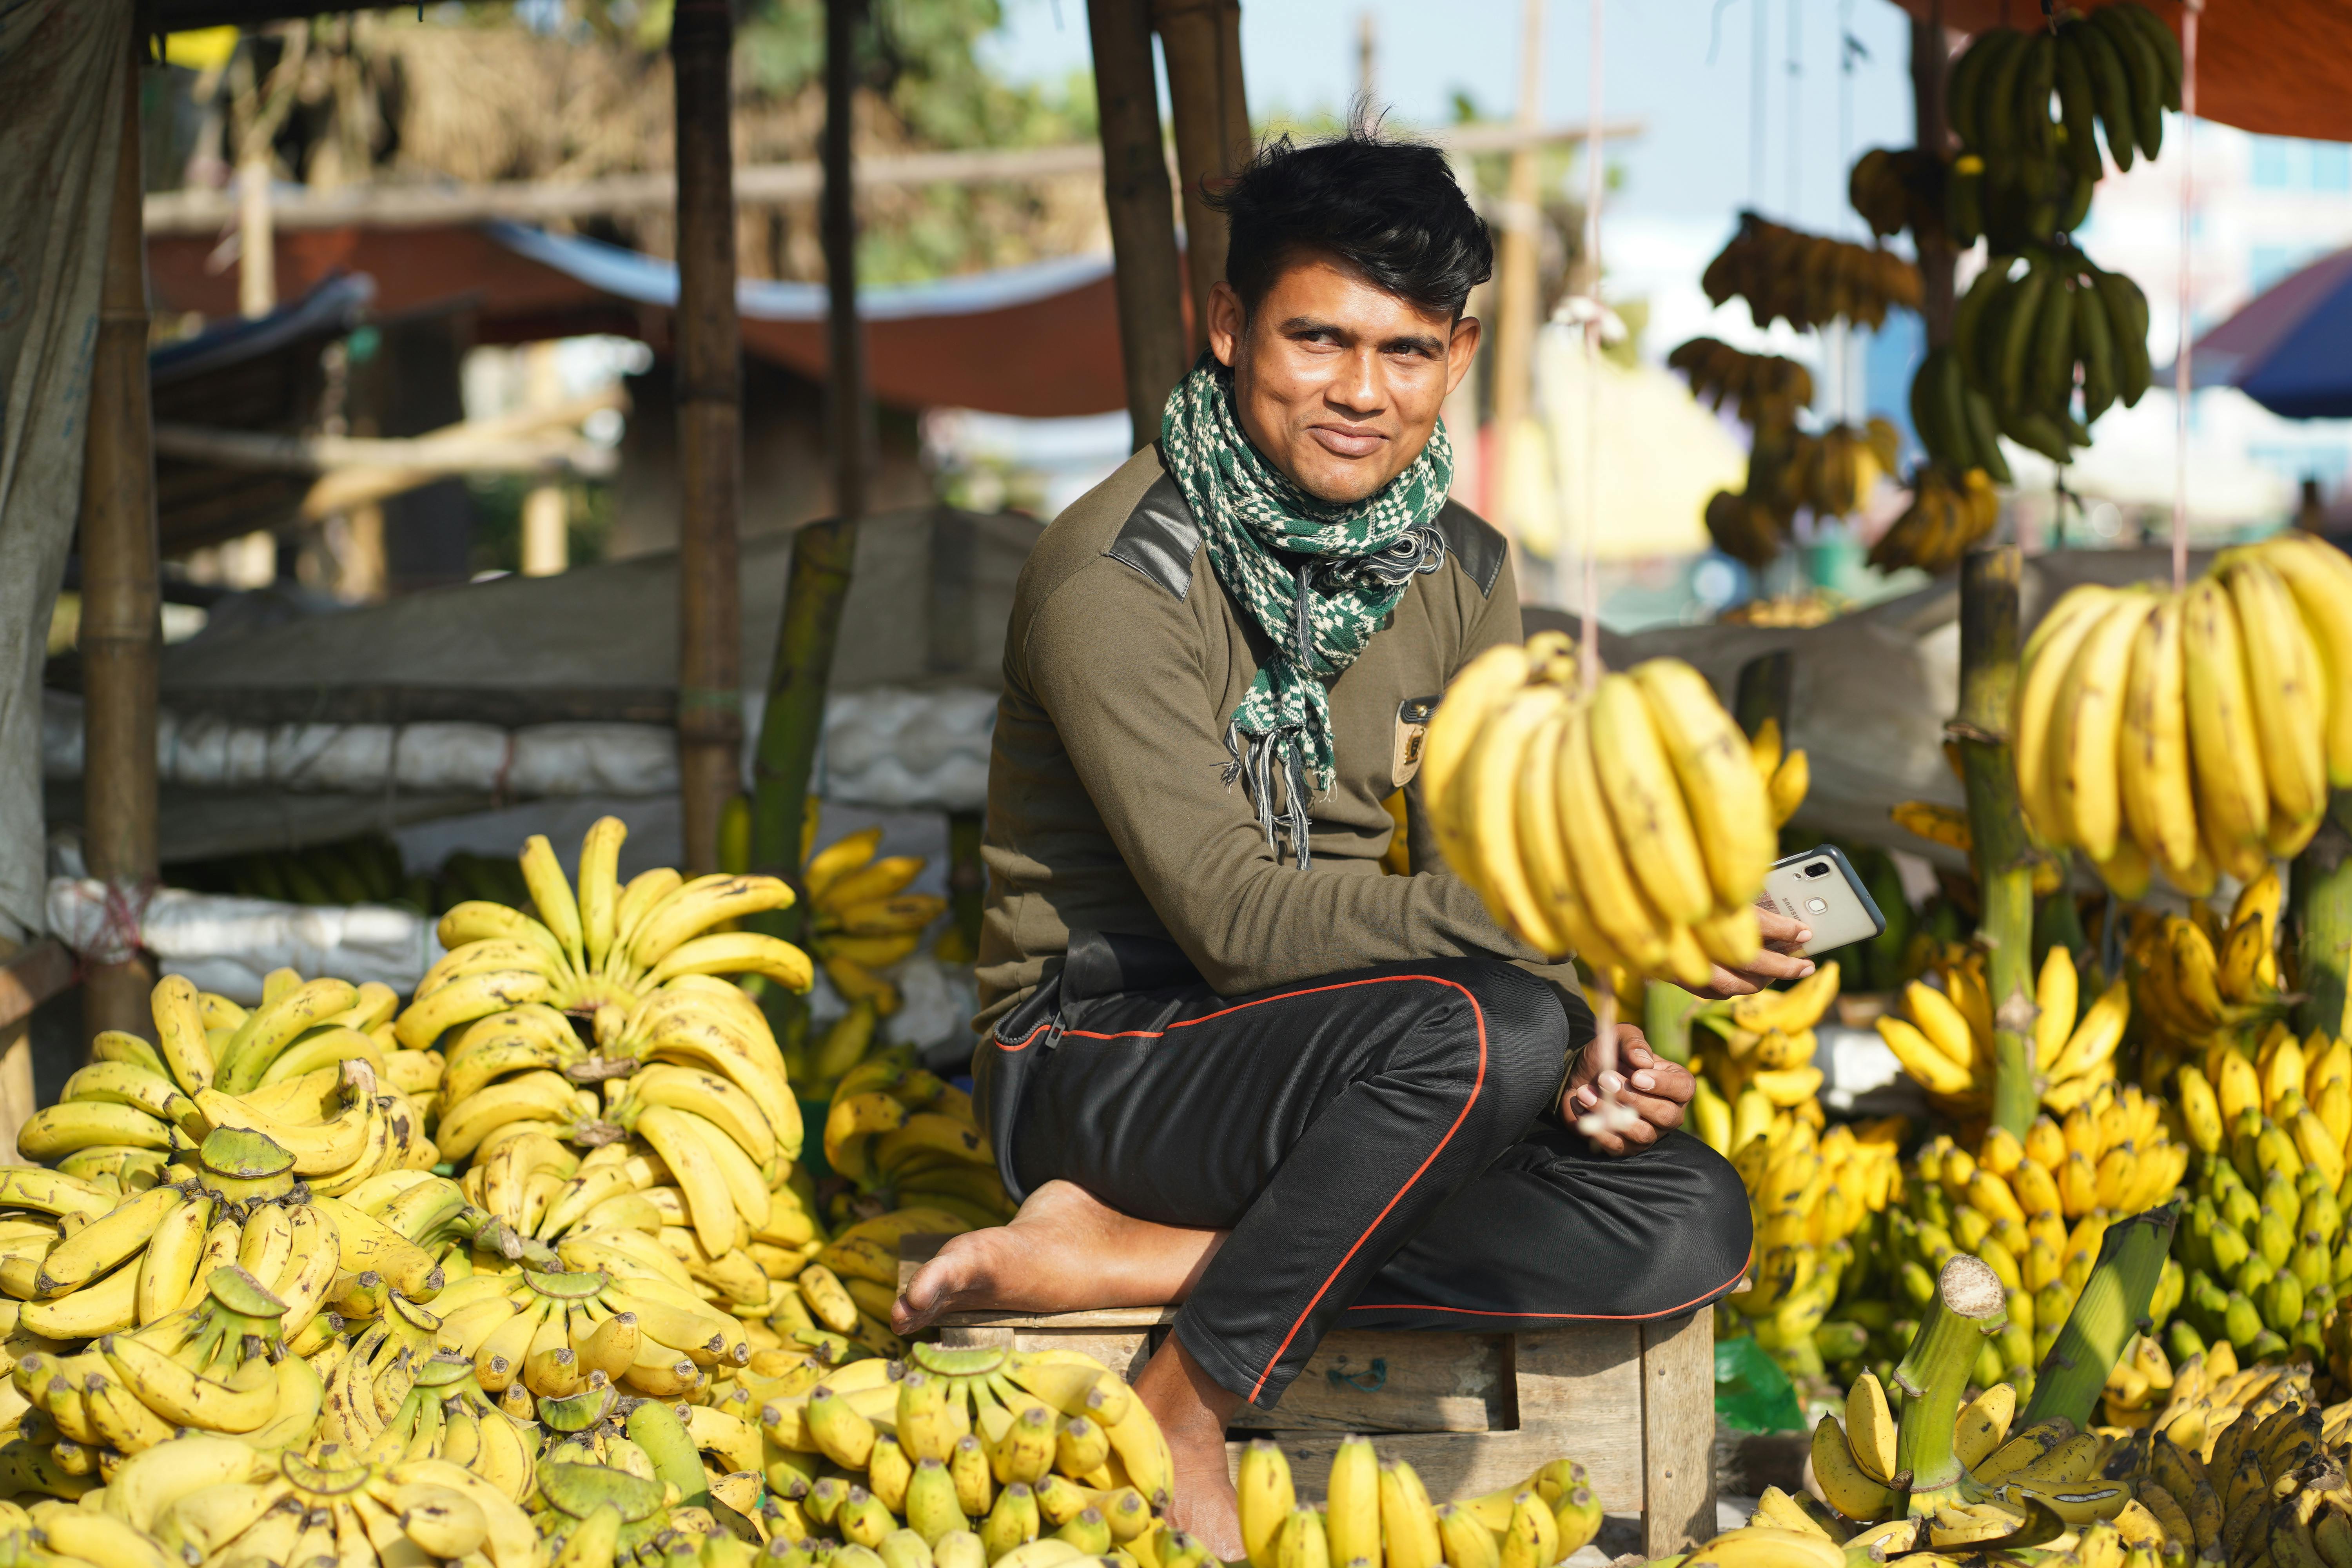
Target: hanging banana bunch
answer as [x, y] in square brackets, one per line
[1898, 188]
[2194, 734]
[1809, 280]
[1765, 390]
[1630, 828]
[2034, 322]
[1946, 518]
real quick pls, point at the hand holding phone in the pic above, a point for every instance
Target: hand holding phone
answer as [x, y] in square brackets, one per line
[1819, 889]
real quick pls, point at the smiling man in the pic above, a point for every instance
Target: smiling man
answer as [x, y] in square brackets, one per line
[1229, 1062]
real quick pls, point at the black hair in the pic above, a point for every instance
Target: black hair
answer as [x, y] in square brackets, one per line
[1389, 209]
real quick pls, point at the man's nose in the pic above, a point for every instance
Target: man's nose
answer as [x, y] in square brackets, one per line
[1358, 388]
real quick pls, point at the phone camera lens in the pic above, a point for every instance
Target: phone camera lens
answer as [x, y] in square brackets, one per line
[1818, 868]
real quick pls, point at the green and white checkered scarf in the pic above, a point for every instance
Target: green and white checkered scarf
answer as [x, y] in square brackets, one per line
[1318, 579]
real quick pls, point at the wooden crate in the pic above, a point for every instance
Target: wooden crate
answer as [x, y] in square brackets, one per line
[1634, 1403]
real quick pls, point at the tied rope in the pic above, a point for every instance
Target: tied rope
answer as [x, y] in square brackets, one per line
[1318, 579]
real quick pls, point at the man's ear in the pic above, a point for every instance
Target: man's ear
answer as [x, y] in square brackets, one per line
[1460, 349]
[1226, 321]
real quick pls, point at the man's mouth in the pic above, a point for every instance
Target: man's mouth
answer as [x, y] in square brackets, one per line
[1348, 440]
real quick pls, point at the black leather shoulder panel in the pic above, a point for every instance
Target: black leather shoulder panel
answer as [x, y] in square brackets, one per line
[1161, 538]
[1474, 543]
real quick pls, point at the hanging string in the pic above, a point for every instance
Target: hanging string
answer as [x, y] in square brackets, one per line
[2191, 10]
[1595, 182]
[1759, 50]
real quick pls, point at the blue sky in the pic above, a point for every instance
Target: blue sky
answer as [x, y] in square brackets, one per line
[1694, 159]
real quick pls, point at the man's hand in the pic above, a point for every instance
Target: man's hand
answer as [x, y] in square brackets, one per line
[1653, 1089]
[1781, 960]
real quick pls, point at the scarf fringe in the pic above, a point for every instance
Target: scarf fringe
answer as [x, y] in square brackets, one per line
[1254, 758]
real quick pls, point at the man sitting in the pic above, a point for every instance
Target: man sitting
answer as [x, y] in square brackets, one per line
[1229, 1061]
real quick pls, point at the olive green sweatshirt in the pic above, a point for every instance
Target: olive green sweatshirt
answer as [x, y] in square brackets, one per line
[1108, 807]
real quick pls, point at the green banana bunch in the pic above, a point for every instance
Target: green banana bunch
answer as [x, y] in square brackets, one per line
[2119, 68]
[2025, 332]
[1806, 279]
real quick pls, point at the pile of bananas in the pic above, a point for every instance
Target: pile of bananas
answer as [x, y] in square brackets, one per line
[1020, 1450]
[210, 1500]
[2047, 1468]
[1947, 516]
[862, 919]
[1766, 390]
[1815, 607]
[1946, 1042]
[1630, 828]
[1377, 1512]
[2194, 733]
[2201, 981]
[2019, 336]
[1753, 1058]
[2264, 1238]
[904, 1137]
[2034, 1211]
[1809, 280]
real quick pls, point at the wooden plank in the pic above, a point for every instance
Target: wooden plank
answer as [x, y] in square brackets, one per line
[1368, 1381]
[1678, 1433]
[1579, 1395]
[32, 977]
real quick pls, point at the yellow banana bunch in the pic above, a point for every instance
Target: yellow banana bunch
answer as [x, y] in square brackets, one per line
[625, 1311]
[862, 919]
[1949, 512]
[1382, 1506]
[2193, 733]
[2205, 983]
[2241, 1462]
[1628, 827]
[1945, 1042]
[981, 1455]
[208, 1501]
[905, 1136]
[601, 945]
[1761, 1043]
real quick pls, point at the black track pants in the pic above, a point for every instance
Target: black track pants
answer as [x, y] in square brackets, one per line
[1373, 1142]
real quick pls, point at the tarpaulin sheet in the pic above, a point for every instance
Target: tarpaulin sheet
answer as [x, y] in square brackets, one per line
[60, 63]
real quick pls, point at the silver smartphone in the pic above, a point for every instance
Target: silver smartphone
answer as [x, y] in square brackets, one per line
[1819, 890]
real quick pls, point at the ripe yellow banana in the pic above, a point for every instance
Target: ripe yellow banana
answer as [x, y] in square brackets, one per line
[2320, 579]
[1616, 903]
[2043, 668]
[2159, 799]
[2287, 690]
[2232, 796]
[2087, 720]
[1719, 783]
[1646, 803]
[1485, 808]
[599, 888]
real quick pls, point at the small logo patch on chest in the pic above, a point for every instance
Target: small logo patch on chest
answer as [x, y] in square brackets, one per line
[1412, 730]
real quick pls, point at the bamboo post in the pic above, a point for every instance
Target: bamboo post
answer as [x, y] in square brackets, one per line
[1148, 274]
[2004, 868]
[1515, 280]
[709, 428]
[849, 407]
[1966, 1309]
[794, 721]
[1930, 68]
[2320, 890]
[122, 613]
[1202, 40]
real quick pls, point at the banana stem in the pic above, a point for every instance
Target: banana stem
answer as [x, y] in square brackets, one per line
[1667, 1020]
[1988, 644]
[2111, 1310]
[1934, 1374]
[2322, 893]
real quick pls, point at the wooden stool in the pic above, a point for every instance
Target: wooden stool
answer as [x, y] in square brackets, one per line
[1632, 1403]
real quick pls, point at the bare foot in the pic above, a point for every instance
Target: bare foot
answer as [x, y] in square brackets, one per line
[1063, 1252]
[1192, 1408]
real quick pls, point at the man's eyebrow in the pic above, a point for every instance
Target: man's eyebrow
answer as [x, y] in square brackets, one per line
[1421, 342]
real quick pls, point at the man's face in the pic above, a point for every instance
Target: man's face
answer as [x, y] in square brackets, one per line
[1337, 380]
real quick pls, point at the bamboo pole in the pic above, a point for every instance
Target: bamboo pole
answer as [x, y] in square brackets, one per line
[1202, 44]
[848, 404]
[1930, 68]
[1515, 280]
[823, 553]
[2004, 868]
[1147, 272]
[710, 430]
[2320, 889]
[121, 607]
[794, 721]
